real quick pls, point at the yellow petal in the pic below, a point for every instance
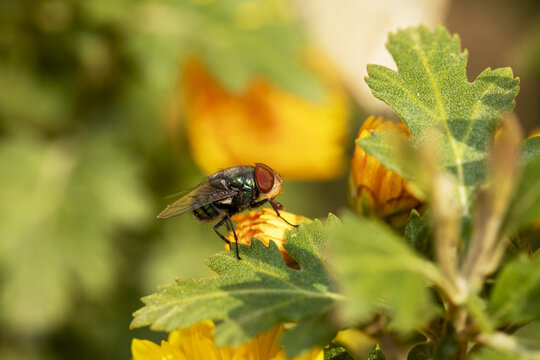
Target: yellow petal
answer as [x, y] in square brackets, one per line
[304, 140]
[197, 343]
[147, 350]
[266, 226]
[375, 188]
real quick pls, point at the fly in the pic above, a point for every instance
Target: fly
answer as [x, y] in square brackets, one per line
[228, 192]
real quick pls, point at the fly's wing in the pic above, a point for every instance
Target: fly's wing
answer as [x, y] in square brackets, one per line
[200, 196]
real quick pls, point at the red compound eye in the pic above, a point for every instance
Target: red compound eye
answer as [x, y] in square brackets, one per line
[264, 176]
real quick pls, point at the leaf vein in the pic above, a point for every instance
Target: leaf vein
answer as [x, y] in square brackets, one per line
[412, 97]
[444, 119]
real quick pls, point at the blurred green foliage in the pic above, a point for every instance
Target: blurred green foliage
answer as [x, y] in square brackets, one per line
[86, 88]
[57, 223]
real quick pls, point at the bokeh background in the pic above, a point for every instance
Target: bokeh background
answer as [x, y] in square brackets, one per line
[107, 107]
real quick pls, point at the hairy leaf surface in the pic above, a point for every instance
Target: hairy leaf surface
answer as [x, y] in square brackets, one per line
[251, 295]
[432, 95]
[379, 272]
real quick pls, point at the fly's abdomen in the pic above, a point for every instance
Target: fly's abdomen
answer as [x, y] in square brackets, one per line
[207, 212]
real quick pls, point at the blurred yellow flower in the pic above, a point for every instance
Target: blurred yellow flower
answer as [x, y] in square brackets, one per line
[304, 140]
[374, 189]
[197, 343]
[266, 226]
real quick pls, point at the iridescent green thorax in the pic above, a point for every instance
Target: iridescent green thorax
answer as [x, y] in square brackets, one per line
[238, 177]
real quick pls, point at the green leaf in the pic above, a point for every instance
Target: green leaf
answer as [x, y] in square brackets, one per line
[432, 95]
[524, 344]
[417, 233]
[250, 295]
[239, 40]
[528, 335]
[61, 204]
[477, 308]
[525, 205]
[336, 352]
[307, 333]
[237, 68]
[387, 148]
[395, 152]
[516, 293]
[376, 354]
[530, 148]
[380, 273]
[422, 351]
[448, 346]
[242, 54]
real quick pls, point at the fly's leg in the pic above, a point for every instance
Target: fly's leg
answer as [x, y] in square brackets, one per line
[262, 202]
[216, 227]
[219, 211]
[227, 220]
[277, 206]
[258, 203]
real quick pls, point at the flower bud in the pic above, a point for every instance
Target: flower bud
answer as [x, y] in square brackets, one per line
[375, 189]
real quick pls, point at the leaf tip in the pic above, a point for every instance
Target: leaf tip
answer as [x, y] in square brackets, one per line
[332, 220]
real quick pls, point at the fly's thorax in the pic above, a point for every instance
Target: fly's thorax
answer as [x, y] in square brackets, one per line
[242, 179]
[239, 177]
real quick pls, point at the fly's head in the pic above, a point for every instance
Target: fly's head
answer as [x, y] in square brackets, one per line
[268, 182]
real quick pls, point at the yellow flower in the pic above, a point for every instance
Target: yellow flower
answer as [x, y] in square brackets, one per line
[197, 343]
[304, 140]
[266, 226]
[374, 189]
